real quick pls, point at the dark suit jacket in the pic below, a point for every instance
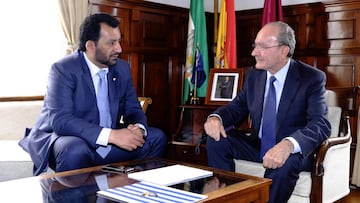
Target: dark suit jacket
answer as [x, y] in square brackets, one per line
[302, 109]
[70, 106]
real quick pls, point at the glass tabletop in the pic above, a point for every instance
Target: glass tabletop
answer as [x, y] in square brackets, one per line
[82, 187]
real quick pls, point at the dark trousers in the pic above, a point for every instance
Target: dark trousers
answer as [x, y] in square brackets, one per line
[70, 152]
[236, 146]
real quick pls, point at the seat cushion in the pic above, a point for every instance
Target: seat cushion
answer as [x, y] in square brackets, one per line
[11, 170]
[303, 184]
[334, 116]
[14, 161]
[15, 116]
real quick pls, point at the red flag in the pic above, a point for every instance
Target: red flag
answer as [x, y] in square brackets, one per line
[231, 35]
[226, 43]
[272, 11]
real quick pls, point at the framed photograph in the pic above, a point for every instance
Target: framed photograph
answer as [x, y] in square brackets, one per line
[223, 85]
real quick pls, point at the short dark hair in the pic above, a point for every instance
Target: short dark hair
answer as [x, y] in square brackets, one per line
[90, 28]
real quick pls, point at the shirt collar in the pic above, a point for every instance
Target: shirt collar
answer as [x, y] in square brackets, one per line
[94, 69]
[281, 74]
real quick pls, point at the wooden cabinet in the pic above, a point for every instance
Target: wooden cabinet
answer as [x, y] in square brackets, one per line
[191, 124]
[188, 143]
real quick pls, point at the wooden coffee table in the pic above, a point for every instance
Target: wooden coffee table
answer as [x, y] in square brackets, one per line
[81, 185]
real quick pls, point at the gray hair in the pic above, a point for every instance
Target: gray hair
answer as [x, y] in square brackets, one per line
[286, 35]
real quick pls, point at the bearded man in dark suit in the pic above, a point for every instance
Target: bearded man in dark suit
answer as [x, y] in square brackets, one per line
[68, 134]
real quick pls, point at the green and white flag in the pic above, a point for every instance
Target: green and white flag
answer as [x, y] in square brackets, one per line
[197, 60]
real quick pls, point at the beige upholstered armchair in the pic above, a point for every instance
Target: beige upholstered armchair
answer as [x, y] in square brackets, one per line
[329, 179]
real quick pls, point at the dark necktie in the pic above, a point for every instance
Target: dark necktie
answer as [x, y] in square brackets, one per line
[104, 109]
[269, 120]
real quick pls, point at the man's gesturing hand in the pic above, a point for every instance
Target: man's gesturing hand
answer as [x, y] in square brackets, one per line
[214, 128]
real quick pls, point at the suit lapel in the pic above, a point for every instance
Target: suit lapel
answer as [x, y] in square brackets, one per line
[114, 83]
[259, 93]
[291, 85]
[87, 75]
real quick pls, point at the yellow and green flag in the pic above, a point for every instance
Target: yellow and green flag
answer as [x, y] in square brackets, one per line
[197, 60]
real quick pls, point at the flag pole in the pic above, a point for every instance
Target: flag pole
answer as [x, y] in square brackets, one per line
[216, 24]
[194, 98]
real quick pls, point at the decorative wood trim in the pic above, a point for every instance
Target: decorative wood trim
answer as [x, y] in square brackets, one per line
[21, 98]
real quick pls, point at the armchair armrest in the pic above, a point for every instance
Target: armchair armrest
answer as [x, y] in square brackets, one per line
[144, 102]
[332, 167]
[345, 137]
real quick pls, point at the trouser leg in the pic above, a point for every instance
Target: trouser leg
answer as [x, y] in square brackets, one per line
[284, 179]
[70, 152]
[221, 154]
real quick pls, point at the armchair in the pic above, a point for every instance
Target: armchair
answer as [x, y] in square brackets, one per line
[144, 102]
[329, 179]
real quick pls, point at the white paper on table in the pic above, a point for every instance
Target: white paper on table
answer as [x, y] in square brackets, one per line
[171, 175]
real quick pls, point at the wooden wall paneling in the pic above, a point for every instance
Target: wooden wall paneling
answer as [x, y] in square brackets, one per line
[176, 82]
[155, 30]
[311, 60]
[176, 63]
[321, 61]
[356, 58]
[340, 75]
[344, 22]
[314, 25]
[344, 19]
[135, 27]
[341, 30]
[344, 46]
[155, 84]
[345, 75]
[248, 24]
[179, 39]
[133, 60]
[157, 63]
[319, 35]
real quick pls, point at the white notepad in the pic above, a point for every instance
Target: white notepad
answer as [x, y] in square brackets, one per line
[171, 175]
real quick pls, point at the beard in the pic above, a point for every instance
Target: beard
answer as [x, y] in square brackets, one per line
[102, 58]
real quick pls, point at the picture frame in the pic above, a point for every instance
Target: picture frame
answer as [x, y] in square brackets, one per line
[223, 85]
